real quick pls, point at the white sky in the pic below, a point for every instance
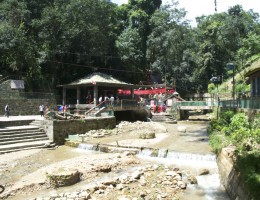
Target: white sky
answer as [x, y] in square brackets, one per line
[197, 8]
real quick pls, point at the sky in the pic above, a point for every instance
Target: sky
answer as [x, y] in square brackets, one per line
[197, 8]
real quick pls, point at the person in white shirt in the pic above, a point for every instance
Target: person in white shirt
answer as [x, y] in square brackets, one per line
[41, 109]
[112, 98]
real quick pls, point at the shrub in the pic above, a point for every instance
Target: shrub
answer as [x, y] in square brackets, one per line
[249, 166]
[225, 117]
[218, 141]
[211, 88]
[238, 121]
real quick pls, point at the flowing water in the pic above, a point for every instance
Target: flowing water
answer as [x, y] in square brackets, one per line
[208, 187]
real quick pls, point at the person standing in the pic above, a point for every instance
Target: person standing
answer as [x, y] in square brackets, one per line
[112, 100]
[41, 109]
[100, 99]
[7, 110]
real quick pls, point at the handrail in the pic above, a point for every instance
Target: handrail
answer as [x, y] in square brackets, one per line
[94, 107]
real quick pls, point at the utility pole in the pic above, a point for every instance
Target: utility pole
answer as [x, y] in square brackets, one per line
[215, 2]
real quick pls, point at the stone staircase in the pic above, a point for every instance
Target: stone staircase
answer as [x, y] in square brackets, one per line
[163, 118]
[15, 138]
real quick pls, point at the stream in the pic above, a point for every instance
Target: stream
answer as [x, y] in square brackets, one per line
[189, 151]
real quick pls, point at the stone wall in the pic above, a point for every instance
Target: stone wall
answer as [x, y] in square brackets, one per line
[25, 106]
[15, 123]
[21, 103]
[58, 130]
[230, 177]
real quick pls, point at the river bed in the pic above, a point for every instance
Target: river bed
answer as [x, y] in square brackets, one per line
[189, 152]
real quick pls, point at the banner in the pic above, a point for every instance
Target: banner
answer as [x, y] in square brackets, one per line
[146, 92]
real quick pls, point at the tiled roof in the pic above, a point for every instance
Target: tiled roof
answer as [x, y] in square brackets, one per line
[97, 78]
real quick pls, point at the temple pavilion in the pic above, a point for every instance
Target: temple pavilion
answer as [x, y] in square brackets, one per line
[88, 89]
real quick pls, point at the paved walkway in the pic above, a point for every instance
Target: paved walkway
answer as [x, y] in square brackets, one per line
[21, 117]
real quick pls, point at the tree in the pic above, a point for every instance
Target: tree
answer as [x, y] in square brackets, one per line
[168, 46]
[17, 48]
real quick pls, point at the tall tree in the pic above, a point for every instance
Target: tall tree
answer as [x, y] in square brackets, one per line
[17, 48]
[168, 46]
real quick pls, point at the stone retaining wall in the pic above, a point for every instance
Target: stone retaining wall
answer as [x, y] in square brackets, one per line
[22, 104]
[15, 123]
[25, 106]
[230, 177]
[58, 130]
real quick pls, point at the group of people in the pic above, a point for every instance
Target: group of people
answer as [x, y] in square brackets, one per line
[156, 102]
[107, 100]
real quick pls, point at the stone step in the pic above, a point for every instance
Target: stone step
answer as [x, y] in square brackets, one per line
[162, 118]
[36, 123]
[23, 146]
[23, 140]
[23, 137]
[19, 128]
[18, 132]
[12, 135]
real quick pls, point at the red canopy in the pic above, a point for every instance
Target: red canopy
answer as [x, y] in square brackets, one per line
[145, 92]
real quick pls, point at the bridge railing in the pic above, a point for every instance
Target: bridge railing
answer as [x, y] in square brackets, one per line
[195, 103]
[249, 103]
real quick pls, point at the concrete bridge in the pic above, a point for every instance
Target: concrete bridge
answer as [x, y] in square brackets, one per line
[183, 107]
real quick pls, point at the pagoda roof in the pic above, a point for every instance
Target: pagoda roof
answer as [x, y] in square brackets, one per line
[98, 79]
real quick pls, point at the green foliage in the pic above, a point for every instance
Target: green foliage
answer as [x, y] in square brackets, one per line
[238, 121]
[249, 166]
[242, 87]
[211, 88]
[235, 129]
[54, 41]
[225, 117]
[218, 141]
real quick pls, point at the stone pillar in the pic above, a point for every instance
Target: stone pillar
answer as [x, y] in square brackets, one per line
[78, 95]
[64, 91]
[95, 95]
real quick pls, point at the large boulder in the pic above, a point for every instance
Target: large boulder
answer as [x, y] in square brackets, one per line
[63, 177]
[147, 135]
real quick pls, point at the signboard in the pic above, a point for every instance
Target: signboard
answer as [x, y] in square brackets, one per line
[17, 84]
[169, 102]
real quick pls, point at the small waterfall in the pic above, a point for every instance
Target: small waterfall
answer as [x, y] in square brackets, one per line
[146, 152]
[212, 187]
[179, 158]
[88, 147]
[190, 156]
[162, 153]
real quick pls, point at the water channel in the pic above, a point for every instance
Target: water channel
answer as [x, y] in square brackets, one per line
[187, 150]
